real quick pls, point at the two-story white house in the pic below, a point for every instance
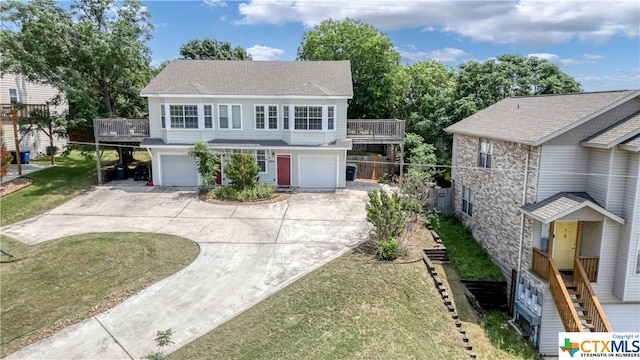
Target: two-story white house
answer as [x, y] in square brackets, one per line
[291, 115]
[550, 186]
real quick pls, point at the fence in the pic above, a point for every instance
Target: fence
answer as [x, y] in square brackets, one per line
[371, 167]
[441, 199]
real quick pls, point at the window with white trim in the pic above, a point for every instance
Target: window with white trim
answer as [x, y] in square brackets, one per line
[307, 118]
[208, 116]
[261, 159]
[331, 110]
[163, 117]
[468, 200]
[13, 95]
[229, 117]
[485, 153]
[266, 117]
[285, 117]
[183, 116]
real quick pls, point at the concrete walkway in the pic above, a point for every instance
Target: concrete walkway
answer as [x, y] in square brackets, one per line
[246, 254]
[26, 169]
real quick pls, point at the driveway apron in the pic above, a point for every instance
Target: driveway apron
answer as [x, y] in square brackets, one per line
[246, 254]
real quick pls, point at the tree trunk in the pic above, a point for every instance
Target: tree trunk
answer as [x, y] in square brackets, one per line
[51, 149]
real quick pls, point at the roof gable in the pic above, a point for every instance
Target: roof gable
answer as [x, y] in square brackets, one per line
[615, 134]
[563, 204]
[252, 78]
[534, 120]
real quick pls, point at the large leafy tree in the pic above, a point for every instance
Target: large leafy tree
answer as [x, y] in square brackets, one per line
[427, 104]
[210, 49]
[375, 65]
[481, 84]
[95, 52]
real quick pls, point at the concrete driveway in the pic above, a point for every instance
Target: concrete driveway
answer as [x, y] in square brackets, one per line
[246, 254]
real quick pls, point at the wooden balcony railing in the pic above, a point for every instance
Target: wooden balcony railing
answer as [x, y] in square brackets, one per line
[376, 131]
[540, 263]
[24, 110]
[564, 304]
[590, 265]
[591, 306]
[112, 129]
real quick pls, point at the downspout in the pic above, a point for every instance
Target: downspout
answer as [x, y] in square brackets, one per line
[524, 201]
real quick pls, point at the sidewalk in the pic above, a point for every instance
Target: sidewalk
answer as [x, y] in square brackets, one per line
[26, 169]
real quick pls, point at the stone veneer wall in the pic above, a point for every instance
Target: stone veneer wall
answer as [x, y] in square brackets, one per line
[498, 196]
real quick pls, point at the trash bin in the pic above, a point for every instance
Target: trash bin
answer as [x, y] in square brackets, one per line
[120, 172]
[352, 172]
[25, 156]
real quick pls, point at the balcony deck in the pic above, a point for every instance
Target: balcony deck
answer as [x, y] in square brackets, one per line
[6, 111]
[366, 131]
[121, 130]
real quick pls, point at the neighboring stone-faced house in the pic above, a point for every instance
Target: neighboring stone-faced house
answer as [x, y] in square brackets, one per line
[292, 116]
[550, 186]
[16, 88]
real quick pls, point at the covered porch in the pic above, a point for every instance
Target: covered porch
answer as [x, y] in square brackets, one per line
[569, 230]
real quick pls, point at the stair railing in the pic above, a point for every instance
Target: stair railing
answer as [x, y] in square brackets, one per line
[564, 304]
[591, 302]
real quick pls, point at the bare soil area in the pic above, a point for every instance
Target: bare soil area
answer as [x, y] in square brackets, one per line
[14, 185]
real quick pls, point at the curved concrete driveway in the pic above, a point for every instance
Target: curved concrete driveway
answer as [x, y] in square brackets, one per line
[246, 254]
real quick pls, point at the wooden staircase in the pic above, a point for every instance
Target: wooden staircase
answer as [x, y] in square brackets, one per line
[579, 304]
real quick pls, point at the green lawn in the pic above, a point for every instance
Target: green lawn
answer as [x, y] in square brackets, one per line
[61, 282]
[52, 186]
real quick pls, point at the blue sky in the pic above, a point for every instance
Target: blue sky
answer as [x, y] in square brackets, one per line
[597, 42]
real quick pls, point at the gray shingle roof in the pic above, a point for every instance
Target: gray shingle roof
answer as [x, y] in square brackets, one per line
[535, 119]
[632, 144]
[562, 204]
[616, 134]
[262, 78]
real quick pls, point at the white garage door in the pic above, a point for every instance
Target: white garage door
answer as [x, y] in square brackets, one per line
[178, 170]
[318, 171]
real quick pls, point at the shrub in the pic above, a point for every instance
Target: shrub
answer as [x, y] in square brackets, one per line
[52, 150]
[228, 193]
[388, 250]
[5, 157]
[242, 170]
[207, 162]
[385, 213]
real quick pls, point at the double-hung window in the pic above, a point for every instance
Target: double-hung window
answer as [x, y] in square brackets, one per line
[183, 116]
[331, 117]
[13, 95]
[308, 118]
[163, 116]
[261, 159]
[266, 117]
[208, 116]
[468, 199]
[229, 117]
[285, 117]
[485, 153]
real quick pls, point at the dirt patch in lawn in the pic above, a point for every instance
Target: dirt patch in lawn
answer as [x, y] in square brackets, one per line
[278, 197]
[14, 185]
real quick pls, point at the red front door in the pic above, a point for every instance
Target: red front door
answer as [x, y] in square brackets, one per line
[283, 163]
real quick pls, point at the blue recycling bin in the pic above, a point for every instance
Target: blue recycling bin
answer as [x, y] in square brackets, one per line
[25, 156]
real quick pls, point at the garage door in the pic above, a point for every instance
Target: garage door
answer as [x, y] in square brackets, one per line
[178, 170]
[318, 171]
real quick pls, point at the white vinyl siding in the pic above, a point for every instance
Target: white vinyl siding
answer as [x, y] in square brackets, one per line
[230, 117]
[562, 168]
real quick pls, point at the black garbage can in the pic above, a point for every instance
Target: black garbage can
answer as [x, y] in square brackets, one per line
[352, 172]
[120, 172]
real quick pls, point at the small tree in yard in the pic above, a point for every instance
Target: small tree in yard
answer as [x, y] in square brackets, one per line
[5, 157]
[242, 169]
[385, 213]
[207, 162]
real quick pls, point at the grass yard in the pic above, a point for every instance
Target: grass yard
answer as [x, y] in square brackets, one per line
[61, 282]
[52, 186]
[359, 308]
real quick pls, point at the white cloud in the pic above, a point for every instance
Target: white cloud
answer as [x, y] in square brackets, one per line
[526, 21]
[553, 58]
[260, 52]
[593, 57]
[443, 55]
[624, 80]
[215, 3]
